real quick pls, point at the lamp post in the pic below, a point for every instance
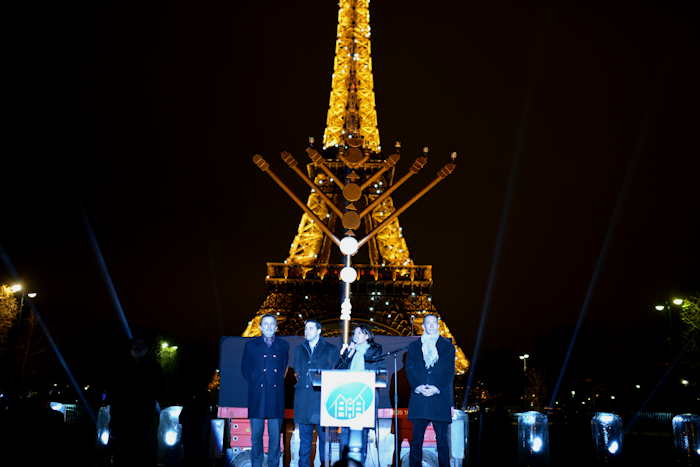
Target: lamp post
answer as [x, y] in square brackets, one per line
[671, 307]
[524, 358]
[16, 328]
[19, 290]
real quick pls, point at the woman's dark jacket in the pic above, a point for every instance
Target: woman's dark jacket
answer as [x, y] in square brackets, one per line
[374, 358]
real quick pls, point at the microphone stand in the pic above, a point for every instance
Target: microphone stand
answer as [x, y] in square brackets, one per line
[395, 354]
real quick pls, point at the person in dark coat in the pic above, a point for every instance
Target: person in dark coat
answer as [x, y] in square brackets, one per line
[134, 408]
[195, 419]
[264, 365]
[363, 353]
[315, 352]
[430, 368]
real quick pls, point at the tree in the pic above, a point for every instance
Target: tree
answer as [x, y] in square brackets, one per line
[9, 309]
[535, 390]
[690, 317]
[20, 343]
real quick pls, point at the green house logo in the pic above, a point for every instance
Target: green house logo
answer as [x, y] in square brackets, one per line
[349, 401]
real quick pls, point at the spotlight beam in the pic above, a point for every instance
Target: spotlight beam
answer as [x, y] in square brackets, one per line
[64, 364]
[654, 390]
[614, 219]
[503, 223]
[486, 307]
[106, 276]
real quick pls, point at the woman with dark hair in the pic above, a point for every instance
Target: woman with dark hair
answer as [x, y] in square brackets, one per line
[363, 353]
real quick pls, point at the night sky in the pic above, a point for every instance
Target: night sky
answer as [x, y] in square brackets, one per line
[145, 115]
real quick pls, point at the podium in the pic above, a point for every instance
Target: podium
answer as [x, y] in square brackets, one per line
[348, 399]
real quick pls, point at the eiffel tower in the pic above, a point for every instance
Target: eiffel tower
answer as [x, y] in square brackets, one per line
[391, 293]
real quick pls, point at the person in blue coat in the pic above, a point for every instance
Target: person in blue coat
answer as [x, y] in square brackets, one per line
[314, 353]
[263, 366]
[430, 368]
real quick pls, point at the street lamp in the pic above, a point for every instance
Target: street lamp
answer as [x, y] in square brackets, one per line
[671, 309]
[16, 289]
[524, 358]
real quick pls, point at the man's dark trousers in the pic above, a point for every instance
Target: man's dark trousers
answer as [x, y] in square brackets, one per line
[257, 427]
[416, 455]
[306, 435]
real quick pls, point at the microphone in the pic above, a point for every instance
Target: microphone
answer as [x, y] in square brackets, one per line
[396, 351]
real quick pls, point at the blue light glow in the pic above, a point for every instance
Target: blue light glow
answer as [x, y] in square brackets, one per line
[170, 437]
[528, 418]
[536, 444]
[606, 418]
[614, 446]
[685, 429]
[104, 437]
[57, 406]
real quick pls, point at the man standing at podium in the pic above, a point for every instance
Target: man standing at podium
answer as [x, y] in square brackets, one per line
[430, 368]
[263, 366]
[314, 353]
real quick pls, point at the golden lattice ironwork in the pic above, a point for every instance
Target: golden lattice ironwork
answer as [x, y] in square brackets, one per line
[391, 242]
[309, 238]
[352, 108]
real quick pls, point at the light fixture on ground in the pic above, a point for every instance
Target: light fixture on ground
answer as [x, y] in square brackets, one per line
[103, 420]
[169, 428]
[533, 438]
[607, 436]
[686, 438]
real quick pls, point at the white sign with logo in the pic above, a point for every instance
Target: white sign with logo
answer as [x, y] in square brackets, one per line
[347, 398]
